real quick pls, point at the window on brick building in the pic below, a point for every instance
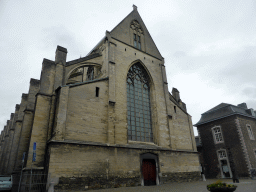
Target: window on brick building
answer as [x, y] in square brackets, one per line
[249, 129]
[138, 105]
[224, 164]
[222, 155]
[217, 134]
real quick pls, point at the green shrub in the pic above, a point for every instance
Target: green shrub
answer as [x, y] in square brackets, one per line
[219, 184]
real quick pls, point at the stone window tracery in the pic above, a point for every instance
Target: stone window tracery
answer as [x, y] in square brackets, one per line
[81, 74]
[138, 105]
[136, 26]
[137, 32]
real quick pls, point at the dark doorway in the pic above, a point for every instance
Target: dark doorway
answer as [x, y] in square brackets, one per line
[225, 169]
[149, 171]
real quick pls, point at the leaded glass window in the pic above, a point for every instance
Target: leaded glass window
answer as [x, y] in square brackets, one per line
[139, 46]
[90, 73]
[134, 40]
[138, 105]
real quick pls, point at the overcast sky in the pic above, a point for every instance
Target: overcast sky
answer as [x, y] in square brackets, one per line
[209, 46]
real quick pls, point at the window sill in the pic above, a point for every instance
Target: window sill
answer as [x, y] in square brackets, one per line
[141, 142]
[219, 142]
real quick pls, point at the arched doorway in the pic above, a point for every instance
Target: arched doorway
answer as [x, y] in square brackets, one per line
[149, 169]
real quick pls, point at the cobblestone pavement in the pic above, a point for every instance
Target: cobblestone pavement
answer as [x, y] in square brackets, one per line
[245, 185]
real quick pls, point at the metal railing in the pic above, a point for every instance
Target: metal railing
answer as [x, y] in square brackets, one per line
[33, 183]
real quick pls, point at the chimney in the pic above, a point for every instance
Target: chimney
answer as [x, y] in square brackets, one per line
[250, 112]
[176, 94]
[184, 106]
[61, 55]
[243, 105]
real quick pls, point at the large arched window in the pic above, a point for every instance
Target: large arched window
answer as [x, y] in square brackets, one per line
[138, 105]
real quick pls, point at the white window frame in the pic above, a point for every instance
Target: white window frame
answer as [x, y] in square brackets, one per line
[250, 133]
[214, 135]
[224, 158]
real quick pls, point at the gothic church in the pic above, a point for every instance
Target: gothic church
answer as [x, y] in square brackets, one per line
[104, 120]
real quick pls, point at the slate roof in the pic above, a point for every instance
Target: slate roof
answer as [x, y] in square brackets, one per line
[223, 110]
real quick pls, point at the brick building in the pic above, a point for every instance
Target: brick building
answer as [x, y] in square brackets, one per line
[228, 143]
[103, 120]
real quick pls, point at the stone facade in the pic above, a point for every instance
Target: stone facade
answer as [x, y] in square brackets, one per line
[80, 118]
[236, 143]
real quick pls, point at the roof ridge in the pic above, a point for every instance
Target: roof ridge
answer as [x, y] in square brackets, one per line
[217, 108]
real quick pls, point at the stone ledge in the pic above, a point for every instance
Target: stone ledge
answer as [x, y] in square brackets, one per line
[129, 146]
[82, 83]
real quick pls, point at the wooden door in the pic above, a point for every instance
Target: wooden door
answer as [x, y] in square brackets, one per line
[149, 171]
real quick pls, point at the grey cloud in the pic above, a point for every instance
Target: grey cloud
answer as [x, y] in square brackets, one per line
[251, 103]
[60, 35]
[250, 92]
[179, 54]
[241, 69]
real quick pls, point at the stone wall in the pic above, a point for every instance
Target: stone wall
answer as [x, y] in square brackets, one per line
[86, 113]
[182, 135]
[103, 166]
[250, 145]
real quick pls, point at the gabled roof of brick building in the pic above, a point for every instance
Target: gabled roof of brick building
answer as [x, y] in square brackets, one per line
[224, 110]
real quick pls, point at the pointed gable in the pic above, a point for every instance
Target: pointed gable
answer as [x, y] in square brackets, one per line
[124, 33]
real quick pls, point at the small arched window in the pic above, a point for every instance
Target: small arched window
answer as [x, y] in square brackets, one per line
[138, 105]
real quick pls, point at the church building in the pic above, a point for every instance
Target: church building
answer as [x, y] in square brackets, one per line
[104, 120]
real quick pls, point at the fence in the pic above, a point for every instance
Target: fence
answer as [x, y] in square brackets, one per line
[28, 183]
